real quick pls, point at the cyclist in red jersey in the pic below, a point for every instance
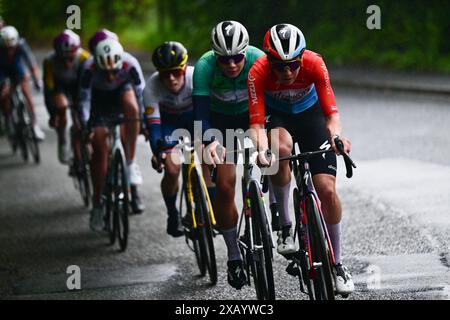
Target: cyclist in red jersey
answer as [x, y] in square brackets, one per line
[289, 90]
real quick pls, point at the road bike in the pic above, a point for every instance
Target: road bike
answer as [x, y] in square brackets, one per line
[313, 262]
[20, 129]
[254, 230]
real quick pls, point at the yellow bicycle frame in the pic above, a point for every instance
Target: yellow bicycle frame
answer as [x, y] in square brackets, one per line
[190, 195]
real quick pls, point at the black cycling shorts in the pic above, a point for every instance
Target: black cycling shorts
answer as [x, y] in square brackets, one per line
[308, 129]
[106, 104]
[222, 122]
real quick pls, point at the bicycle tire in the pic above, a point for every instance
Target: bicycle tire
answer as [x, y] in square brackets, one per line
[121, 200]
[192, 233]
[108, 211]
[204, 227]
[304, 261]
[85, 178]
[264, 282]
[323, 283]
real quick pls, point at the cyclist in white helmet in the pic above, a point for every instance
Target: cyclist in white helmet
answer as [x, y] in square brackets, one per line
[13, 51]
[111, 83]
[221, 102]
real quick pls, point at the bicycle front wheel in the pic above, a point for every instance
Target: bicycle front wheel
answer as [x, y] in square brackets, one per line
[320, 252]
[204, 228]
[262, 256]
[121, 200]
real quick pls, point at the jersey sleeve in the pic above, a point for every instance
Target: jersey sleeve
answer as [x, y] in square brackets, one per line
[255, 87]
[27, 54]
[322, 83]
[152, 117]
[85, 92]
[203, 76]
[48, 76]
[151, 102]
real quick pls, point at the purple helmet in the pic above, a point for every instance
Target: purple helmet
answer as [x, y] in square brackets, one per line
[66, 42]
[101, 35]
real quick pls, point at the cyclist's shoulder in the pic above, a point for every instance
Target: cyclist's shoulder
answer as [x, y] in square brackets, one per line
[130, 61]
[253, 53]
[83, 55]
[311, 58]
[206, 61]
[260, 66]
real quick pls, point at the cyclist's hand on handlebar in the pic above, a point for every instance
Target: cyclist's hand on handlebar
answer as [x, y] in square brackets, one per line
[37, 85]
[214, 154]
[158, 162]
[338, 144]
[265, 158]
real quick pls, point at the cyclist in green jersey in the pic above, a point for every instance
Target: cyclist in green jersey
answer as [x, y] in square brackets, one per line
[220, 100]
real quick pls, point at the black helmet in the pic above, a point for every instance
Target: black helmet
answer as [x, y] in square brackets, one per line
[170, 55]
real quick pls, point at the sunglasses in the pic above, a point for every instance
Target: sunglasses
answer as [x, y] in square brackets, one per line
[227, 59]
[175, 72]
[281, 65]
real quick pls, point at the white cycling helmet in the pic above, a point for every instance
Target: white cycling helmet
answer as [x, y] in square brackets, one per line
[109, 55]
[284, 42]
[10, 36]
[229, 38]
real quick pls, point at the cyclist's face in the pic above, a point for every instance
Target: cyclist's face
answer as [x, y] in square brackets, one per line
[173, 80]
[231, 67]
[111, 75]
[286, 72]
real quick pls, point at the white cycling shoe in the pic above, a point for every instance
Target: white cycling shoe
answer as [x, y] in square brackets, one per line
[96, 221]
[343, 280]
[285, 245]
[134, 174]
[40, 135]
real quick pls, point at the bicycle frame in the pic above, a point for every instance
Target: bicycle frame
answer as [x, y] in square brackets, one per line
[188, 168]
[304, 182]
[247, 177]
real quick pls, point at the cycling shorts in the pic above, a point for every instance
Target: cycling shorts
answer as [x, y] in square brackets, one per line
[308, 129]
[106, 104]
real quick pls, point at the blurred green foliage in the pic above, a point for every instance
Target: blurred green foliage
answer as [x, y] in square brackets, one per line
[414, 34]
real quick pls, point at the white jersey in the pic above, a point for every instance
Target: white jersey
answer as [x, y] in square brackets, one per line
[157, 98]
[93, 78]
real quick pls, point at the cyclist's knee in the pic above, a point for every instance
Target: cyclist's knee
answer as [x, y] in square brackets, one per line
[100, 139]
[129, 103]
[61, 102]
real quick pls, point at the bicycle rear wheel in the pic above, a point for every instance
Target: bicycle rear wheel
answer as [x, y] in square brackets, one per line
[262, 256]
[320, 253]
[204, 227]
[121, 200]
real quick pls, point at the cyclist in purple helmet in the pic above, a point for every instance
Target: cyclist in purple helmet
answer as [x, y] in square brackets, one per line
[101, 35]
[62, 70]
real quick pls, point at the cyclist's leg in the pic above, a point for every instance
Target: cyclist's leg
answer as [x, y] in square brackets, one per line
[61, 104]
[5, 97]
[130, 132]
[281, 141]
[99, 163]
[131, 129]
[313, 136]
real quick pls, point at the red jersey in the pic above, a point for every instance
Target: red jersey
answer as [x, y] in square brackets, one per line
[311, 85]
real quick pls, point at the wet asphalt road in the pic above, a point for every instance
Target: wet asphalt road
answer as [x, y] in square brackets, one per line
[395, 228]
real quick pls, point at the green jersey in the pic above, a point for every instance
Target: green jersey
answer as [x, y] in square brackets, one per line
[228, 96]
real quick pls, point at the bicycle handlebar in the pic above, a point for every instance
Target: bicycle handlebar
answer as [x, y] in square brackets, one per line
[349, 164]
